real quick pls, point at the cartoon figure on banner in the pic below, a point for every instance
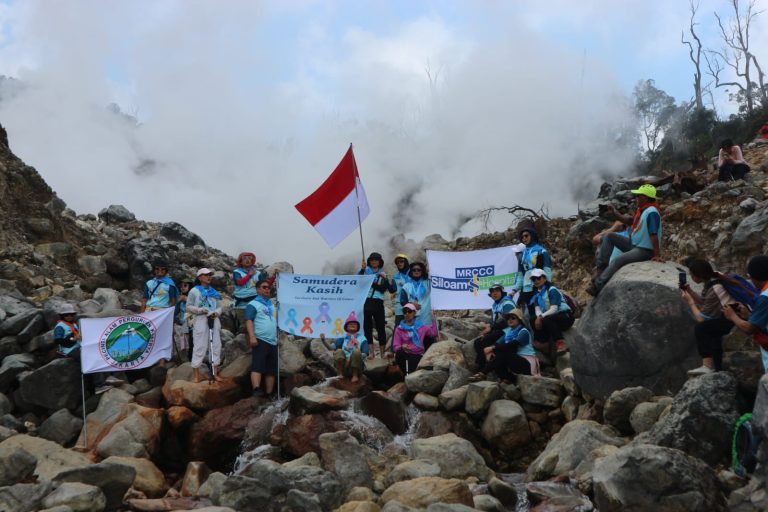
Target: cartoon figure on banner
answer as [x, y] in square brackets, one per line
[323, 317]
[474, 284]
[291, 323]
[307, 325]
[337, 328]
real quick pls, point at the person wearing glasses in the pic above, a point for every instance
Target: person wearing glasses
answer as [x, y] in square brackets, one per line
[534, 256]
[408, 343]
[159, 292]
[204, 306]
[261, 325]
[417, 292]
[244, 278]
[552, 314]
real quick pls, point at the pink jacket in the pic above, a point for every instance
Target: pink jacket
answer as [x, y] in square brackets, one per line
[402, 339]
[736, 155]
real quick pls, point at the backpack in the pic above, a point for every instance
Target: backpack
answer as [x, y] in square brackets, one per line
[743, 292]
[744, 446]
[571, 304]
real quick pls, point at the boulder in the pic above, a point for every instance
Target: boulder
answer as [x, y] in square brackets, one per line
[556, 496]
[387, 408]
[421, 492]
[136, 434]
[760, 410]
[177, 233]
[180, 390]
[53, 386]
[51, 458]
[342, 455]
[620, 405]
[292, 359]
[180, 417]
[701, 419]
[571, 446]
[16, 465]
[426, 381]
[107, 414]
[113, 480]
[454, 399]
[304, 501]
[149, 479]
[750, 234]
[440, 355]
[116, 214]
[637, 332]
[6, 405]
[411, 469]
[480, 395]
[78, 497]
[244, 493]
[11, 367]
[218, 436]
[426, 402]
[308, 459]
[194, 477]
[458, 376]
[61, 427]
[540, 390]
[13, 325]
[31, 329]
[642, 477]
[315, 480]
[570, 407]
[24, 497]
[645, 415]
[108, 298]
[506, 426]
[456, 457]
[504, 492]
[359, 506]
[307, 400]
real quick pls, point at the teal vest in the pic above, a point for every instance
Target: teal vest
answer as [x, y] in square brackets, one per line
[640, 236]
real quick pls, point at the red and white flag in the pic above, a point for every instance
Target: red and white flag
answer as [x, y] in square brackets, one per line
[332, 208]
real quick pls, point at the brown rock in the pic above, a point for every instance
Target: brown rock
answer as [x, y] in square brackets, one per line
[168, 504]
[421, 492]
[180, 390]
[149, 479]
[301, 433]
[216, 438]
[179, 416]
[359, 506]
[152, 398]
[310, 400]
[195, 476]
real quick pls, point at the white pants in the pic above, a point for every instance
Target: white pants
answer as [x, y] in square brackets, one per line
[200, 341]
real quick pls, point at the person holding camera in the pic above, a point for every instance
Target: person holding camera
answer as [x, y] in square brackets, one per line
[707, 309]
[755, 322]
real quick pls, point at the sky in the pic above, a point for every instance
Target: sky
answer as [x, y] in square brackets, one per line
[245, 107]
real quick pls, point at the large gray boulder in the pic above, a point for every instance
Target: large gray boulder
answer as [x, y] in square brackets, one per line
[456, 457]
[343, 456]
[116, 214]
[506, 426]
[637, 332]
[701, 419]
[16, 465]
[639, 477]
[113, 480]
[61, 427]
[751, 233]
[620, 405]
[53, 386]
[24, 497]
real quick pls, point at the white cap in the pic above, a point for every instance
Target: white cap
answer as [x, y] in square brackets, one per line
[410, 306]
[204, 271]
[537, 272]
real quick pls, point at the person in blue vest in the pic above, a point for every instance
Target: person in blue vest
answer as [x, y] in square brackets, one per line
[417, 292]
[533, 256]
[502, 304]
[643, 244]
[552, 314]
[512, 354]
[754, 322]
[398, 282]
[204, 305]
[261, 325]
[159, 292]
[244, 278]
[373, 311]
[350, 351]
[181, 327]
[66, 335]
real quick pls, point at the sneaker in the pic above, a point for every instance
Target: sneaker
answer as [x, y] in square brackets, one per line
[701, 370]
[102, 389]
[113, 381]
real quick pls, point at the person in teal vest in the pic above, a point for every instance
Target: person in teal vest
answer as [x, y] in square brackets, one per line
[349, 352]
[244, 279]
[533, 256]
[643, 244]
[502, 304]
[373, 310]
[553, 315]
[398, 282]
[512, 354]
[261, 325]
[68, 339]
[159, 292]
[754, 322]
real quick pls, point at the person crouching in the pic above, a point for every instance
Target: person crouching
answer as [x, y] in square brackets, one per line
[512, 354]
[351, 350]
[408, 343]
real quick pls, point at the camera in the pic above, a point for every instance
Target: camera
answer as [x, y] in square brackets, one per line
[682, 279]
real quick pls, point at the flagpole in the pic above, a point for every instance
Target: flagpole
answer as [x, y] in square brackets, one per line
[277, 334]
[85, 423]
[357, 198]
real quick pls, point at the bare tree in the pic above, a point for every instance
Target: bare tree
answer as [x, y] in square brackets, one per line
[736, 54]
[695, 55]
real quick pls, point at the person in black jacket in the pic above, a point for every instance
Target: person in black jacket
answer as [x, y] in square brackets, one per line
[373, 311]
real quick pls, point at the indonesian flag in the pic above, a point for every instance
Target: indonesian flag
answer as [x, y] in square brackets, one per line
[333, 208]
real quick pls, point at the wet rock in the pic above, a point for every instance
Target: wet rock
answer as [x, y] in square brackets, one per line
[421, 492]
[341, 455]
[453, 400]
[620, 405]
[24, 497]
[78, 497]
[116, 214]
[180, 417]
[426, 381]
[440, 355]
[16, 465]
[218, 436]
[53, 386]
[307, 400]
[503, 491]
[506, 426]
[480, 395]
[113, 480]
[647, 477]
[51, 458]
[61, 427]
[387, 408]
[411, 469]
[456, 457]
[149, 479]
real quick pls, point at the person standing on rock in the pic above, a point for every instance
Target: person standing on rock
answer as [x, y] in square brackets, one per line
[67, 337]
[245, 277]
[204, 307]
[707, 310]
[351, 350]
[643, 244]
[160, 292]
[417, 292]
[502, 305]
[553, 315]
[398, 282]
[373, 311]
[756, 321]
[512, 353]
[261, 325]
[534, 256]
[409, 343]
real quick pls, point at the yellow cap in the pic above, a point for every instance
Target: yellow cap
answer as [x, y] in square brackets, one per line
[401, 255]
[646, 190]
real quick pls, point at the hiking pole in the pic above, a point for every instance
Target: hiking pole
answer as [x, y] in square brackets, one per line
[210, 350]
[277, 336]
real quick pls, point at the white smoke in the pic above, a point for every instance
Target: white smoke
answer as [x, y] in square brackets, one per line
[239, 121]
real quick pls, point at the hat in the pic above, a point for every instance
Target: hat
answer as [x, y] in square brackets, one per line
[375, 256]
[537, 272]
[645, 190]
[517, 313]
[758, 268]
[350, 319]
[495, 286]
[204, 271]
[242, 255]
[401, 256]
[67, 309]
[159, 262]
[410, 306]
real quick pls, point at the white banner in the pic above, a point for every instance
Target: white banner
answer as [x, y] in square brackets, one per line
[126, 342]
[310, 305]
[460, 280]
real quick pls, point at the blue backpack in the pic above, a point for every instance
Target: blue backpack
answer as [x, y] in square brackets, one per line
[743, 291]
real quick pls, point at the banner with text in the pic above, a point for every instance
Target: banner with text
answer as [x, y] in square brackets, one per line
[311, 305]
[460, 280]
[126, 342]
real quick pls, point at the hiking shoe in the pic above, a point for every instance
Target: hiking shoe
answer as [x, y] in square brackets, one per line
[113, 381]
[561, 347]
[259, 393]
[701, 370]
[102, 389]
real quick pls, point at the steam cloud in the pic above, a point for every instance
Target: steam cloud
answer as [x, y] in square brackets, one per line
[237, 123]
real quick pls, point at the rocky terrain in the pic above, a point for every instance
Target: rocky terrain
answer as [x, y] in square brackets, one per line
[614, 425]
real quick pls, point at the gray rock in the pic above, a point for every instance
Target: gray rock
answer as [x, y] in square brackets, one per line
[308, 459]
[449, 507]
[12, 366]
[90, 307]
[24, 497]
[13, 325]
[570, 408]
[760, 410]
[646, 477]
[56, 251]
[456, 457]
[178, 233]
[396, 506]
[61, 427]
[557, 496]
[426, 402]
[212, 486]
[31, 329]
[41, 343]
[752, 232]
[540, 390]
[480, 395]
[453, 400]
[569, 383]
[16, 465]
[307, 400]
[113, 480]
[92, 265]
[12, 305]
[458, 376]
[506, 426]
[426, 381]
[108, 298]
[503, 491]
[620, 405]
[645, 415]
[6, 405]
[341, 455]
[315, 480]
[749, 205]
[440, 356]
[116, 214]
[244, 493]
[457, 327]
[652, 346]
[292, 359]
[701, 419]
[305, 501]
[8, 346]
[580, 235]
[53, 386]
[79, 497]
[411, 469]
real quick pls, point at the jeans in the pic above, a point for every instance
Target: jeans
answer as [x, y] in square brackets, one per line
[630, 254]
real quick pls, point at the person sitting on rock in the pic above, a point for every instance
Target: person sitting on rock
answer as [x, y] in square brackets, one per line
[512, 354]
[730, 162]
[552, 313]
[261, 325]
[617, 227]
[351, 350]
[502, 304]
[417, 292]
[244, 278]
[397, 284]
[756, 321]
[204, 307]
[373, 311]
[160, 292]
[643, 244]
[409, 341]
[67, 337]
[533, 256]
[707, 309]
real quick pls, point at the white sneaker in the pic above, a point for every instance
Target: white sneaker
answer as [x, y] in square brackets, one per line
[701, 370]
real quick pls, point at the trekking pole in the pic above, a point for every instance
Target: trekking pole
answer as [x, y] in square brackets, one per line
[210, 350]
[277, 336]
